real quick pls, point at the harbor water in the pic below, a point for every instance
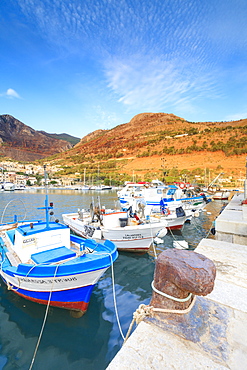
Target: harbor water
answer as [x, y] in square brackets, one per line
[91, 341]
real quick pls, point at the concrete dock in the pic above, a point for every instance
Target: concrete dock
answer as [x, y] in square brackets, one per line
[213, 335]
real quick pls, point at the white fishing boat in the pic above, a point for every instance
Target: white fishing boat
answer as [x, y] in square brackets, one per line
[127, 232]
[218, 193]
[216, 190]
[148, 191]
[44, 263]
[173, 196]
[174, 216]
[174, 203]
[8, 186]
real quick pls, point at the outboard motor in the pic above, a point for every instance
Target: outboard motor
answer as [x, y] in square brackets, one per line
[180, 212]
[206, 200]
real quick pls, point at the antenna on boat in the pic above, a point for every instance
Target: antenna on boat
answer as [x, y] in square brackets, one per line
[46, 199]
[46, 207]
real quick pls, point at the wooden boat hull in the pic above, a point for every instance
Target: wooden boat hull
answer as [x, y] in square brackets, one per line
[136, 238]
[66, 280]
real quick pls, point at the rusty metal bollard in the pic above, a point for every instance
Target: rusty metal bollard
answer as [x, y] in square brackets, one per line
[178, 275]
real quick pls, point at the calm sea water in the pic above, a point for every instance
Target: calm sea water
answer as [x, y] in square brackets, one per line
[89, 342]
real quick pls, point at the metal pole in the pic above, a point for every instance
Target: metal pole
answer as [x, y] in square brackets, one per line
[46, 199]
[245, 182]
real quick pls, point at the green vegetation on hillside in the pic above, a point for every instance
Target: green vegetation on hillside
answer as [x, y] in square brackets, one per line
[71, 139]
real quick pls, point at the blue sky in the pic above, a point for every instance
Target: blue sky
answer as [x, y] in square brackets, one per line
[76, 66]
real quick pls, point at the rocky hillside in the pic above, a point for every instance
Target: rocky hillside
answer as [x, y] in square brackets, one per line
[20, 142]
[150, 134]
[66, 137]
[157, 142]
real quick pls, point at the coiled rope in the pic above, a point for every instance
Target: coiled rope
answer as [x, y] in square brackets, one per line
[145, 310]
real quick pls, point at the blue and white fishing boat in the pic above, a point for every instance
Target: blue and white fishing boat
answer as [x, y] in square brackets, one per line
[44, 263]
[166, 199]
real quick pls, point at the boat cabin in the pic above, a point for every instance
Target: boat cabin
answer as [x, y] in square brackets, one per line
[29, 239]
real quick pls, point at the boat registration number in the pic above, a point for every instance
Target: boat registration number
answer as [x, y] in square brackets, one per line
[132, 236]
[28, 242]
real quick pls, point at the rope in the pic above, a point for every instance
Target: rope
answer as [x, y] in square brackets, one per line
[151, 232]
[145, 311]
[114, 298]
[175, 238]
[140, 314]
[198, 229]
[169, 296]
[44, 321]
[13, 200]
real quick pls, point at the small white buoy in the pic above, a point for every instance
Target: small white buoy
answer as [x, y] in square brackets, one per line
[158, 240]
[180, 244]
[161, 233]
[97, 234]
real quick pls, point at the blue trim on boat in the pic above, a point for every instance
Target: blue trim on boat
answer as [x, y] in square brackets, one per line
[11, 235]
[40, 227]
[102, 258]
[70, 295]
[53, 255]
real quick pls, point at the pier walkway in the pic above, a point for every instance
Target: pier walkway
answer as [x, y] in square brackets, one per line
[213, 335]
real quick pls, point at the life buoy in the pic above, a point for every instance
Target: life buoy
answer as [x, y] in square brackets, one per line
[182, 185]
[168, 212]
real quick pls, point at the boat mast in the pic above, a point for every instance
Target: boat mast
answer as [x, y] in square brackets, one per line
[46, 199]
[84, 176]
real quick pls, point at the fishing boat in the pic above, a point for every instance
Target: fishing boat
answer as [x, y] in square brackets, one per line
[173, 195]
[146, 190]
[44, 263]
[173, 204]
[8, 186]
[218, 193]
[174, 215]
[124, 228]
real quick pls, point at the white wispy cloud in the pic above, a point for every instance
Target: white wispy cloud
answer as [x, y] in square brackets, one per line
[103, 119]
[236, 116]
[11, 93]
[145, 84]
[157, 55]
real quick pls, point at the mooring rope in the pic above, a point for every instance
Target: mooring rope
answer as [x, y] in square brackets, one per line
[114, 298]
[169, 296]
[13, 200]
[44, 321]
[145, 311]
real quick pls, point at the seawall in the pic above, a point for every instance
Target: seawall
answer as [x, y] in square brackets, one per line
[213, 334]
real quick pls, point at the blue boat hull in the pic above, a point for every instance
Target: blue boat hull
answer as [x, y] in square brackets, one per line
[65, 299]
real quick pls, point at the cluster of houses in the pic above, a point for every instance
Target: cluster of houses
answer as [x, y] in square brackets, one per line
[14, 175]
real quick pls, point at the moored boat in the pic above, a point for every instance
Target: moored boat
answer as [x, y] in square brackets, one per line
[8, 186]
[44, 263]
[128, 232]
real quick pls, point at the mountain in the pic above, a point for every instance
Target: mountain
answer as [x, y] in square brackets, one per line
[66, 137]
[150, 134]
[20, 142]
[148, 146]
[160, 142]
